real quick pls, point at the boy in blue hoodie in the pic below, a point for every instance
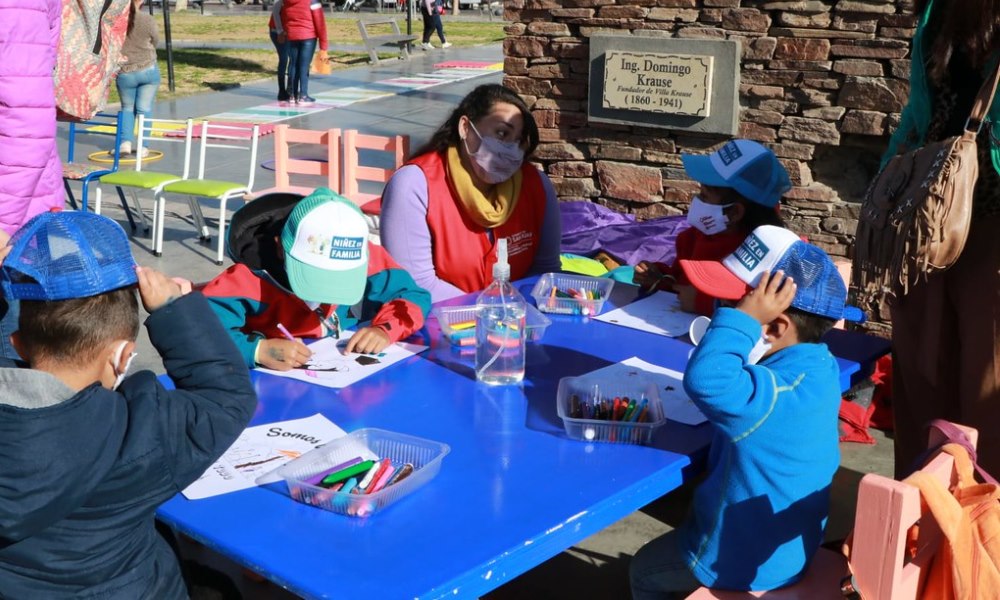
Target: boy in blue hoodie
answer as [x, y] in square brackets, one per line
[759, 515]
[89, 454]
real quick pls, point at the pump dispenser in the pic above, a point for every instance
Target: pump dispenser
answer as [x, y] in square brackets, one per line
[500, 327]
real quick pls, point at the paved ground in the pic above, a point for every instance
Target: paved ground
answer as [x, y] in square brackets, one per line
[597, 567]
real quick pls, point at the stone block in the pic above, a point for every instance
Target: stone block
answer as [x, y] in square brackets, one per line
[806, 20]
[528, 47]
[792, 150]
[830, 34]
[827, 113]
[864, 68]
[558, 151]
[627, 181]
[618, 152]
[806, 6]
[702, 33]
[863, 122]
[685, 15]
[864, 25]
[761, 48]
[515, 29]
[865, 7]
[871, 49]
[577, 168]
[745, 19]
[548, 29]
[764, 117]
[813, 131]
[801, 65]
[572, 13]
[786, 107]
[568, 188]
[762, 91]
[801, 49]
[874, 93]
[900, 68]
[623, 12]
[513, 65]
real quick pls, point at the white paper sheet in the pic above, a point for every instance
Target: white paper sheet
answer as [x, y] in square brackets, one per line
[676, 404]
[330, 367]
[659, 313]
[259, 451]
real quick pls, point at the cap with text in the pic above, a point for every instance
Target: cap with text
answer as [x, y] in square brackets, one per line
[820, 289]
[64, 255]
[743, 165]
[326, 249]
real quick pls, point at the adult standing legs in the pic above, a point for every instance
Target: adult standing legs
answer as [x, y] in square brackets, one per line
[428, 26]
[439, 26]
[128, 85]
[294, 48]
[304, 58]
[282, 49]
[145, 94]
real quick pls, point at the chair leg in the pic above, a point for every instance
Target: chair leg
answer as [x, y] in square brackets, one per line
[161, 213]
[69, 195]
[97, 197]
[138, 208]
[128, 213]
[199, 219]
[83, 196]
[222, 228]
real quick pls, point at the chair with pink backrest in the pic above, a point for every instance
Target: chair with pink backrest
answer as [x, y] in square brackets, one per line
[394, 151]
[325, 163]
[887, 563]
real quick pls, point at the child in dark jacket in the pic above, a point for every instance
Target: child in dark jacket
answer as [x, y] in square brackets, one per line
[306, 265]
[758, 517]
[741, 185]
[89, 454]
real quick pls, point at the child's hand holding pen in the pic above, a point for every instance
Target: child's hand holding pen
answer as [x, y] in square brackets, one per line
[283, 354]
[368, 340]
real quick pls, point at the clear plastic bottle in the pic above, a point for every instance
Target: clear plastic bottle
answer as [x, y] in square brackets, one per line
[500, 327]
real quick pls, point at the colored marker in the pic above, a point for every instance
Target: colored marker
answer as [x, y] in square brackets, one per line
[400, 474]
[285, 332]
[628, 411]
[638, 410]
[315, 479]
[383, 479]
[347, 473]
[463, 325]
[365, 481]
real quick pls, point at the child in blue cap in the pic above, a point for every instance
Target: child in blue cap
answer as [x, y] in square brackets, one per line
[89, 453]
[758, 517]
[741, 185]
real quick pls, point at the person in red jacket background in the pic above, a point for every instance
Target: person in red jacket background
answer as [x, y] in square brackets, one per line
[741, 185]
[303, 23]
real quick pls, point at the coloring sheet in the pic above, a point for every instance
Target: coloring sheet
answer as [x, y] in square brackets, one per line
[331, 367]
[659, 313]
[676, 404]
[259, 451]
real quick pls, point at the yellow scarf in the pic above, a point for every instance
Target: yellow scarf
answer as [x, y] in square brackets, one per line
[487, 211]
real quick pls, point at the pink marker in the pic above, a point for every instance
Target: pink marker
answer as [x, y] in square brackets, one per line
[284, 331]
[381, 481]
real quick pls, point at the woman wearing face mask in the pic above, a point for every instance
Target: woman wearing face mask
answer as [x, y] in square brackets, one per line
[443, 212]
[741, 185]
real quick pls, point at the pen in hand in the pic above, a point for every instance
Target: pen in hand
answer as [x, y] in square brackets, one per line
[284, 331]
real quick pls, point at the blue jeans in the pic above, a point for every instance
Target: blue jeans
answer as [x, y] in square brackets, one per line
[659, 570]
[8, 325]
[432, 23]
[300, 54]
[137, 91]
[282, 49]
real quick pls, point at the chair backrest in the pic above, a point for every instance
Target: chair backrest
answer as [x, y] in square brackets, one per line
[285, 165]
[397, 148]
[887, 511]
[103, 124]
[231, 136]
[165, 131]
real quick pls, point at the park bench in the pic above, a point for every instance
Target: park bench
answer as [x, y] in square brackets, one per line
[374, 42]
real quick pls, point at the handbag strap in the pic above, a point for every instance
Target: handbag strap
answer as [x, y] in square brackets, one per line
[984, 99]
[952, 435]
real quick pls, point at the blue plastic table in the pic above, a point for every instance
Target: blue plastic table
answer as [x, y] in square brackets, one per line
[513, 492]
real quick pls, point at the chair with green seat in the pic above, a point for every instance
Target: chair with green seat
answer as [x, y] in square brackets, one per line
[213, 136]
[101, 124]
[153, 131]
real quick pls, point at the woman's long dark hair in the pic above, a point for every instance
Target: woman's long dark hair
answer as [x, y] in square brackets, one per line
[972, 26]
[475, 106]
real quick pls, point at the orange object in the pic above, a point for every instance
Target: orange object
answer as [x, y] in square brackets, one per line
[285, 165]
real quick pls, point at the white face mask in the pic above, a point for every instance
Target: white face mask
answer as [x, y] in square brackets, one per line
[697, 330]
[707, 218]
[128, 363]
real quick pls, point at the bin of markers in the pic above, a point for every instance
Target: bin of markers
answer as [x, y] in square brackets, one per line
[458, 324]
[571, 294]
[590, 412]
[317, 477]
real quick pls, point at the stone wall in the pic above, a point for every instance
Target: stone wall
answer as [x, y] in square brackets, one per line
[822, 84]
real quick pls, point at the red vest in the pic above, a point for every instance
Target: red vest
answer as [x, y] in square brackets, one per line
[462, 250]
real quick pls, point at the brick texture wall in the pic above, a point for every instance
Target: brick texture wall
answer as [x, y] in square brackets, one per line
[822, 84]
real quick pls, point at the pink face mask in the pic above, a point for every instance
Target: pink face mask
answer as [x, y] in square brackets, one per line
[498, 160]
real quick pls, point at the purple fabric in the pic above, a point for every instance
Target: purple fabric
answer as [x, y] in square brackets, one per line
[406, 235]
[30, 169]
[589, 228]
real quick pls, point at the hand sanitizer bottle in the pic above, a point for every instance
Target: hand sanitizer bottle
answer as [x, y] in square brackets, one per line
[500, 322]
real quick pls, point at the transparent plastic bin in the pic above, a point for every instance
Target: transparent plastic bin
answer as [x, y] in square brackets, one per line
[542, 293]
[425, 456]
[536, 323]
[591, 389]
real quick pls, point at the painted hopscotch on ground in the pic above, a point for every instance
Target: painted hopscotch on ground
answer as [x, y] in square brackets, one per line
[447, 72]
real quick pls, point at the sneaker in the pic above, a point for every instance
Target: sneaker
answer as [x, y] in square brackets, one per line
[145, 152]
[284, 97]
[125, 148]
[426, 46]
[446, 45]
[306, 100]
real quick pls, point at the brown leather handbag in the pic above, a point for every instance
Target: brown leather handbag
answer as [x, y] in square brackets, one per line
[915, 216]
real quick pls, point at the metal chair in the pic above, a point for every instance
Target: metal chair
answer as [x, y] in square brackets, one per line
[85, 172]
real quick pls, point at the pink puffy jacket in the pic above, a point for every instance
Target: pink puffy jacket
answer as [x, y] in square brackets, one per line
[30, 169]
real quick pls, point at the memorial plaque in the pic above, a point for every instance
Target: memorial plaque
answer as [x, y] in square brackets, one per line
[679, 84]
[674, 83]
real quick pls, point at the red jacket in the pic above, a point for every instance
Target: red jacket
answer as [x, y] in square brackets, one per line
[304, 20]
[695, 245]
[464, 254]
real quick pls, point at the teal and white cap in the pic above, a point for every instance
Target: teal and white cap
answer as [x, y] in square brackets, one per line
[326, 249]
